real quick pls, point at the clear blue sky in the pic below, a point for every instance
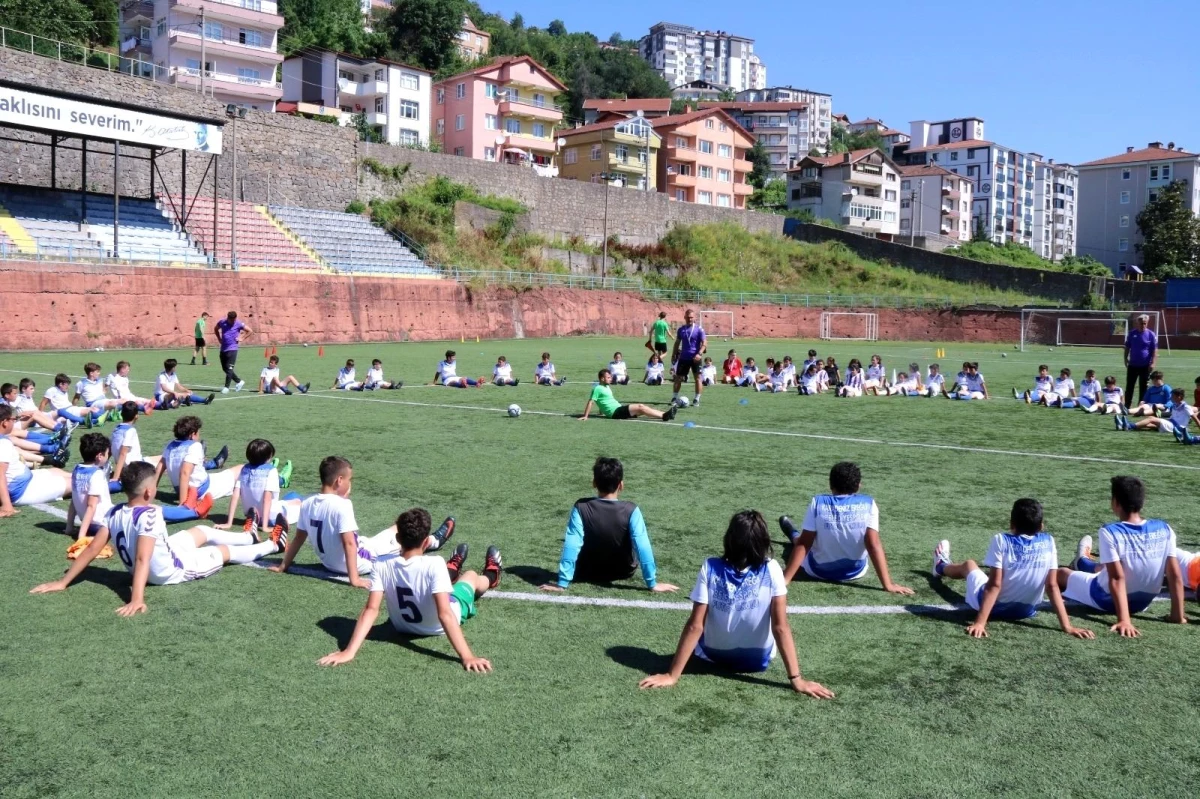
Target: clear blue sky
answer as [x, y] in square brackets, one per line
[1074, 80]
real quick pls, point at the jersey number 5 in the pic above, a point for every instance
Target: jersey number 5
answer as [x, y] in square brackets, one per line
[408, 609]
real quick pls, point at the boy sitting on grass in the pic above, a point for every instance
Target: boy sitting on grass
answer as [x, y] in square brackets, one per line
[840, 533]
[425, 594]
[90, 500]
[19, 485]
[603, 400]
[1158, 394]
[1179, 416]
[1022, 567]
[127, 445]
[269, 381]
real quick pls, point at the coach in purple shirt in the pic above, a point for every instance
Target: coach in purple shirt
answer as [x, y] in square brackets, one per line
[1141, 353]
[230, 331]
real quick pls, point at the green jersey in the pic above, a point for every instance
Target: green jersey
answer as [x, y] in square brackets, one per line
[200, 323]
[603, 397]
[659, 331]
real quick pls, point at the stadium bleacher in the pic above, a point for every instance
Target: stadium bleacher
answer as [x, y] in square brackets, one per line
[351, 243]
[261, 241]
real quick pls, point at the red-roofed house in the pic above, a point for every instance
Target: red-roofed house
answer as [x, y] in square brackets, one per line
[781, 128]
[704, 158]
[650, 107]
[620, 152]
[1114, 190]
[934, 202]
[858, 190]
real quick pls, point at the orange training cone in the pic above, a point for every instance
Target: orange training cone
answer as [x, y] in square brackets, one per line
[274, 350]
[321, 351]
[266, 352]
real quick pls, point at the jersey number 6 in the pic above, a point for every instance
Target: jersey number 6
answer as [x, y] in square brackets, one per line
[122, 551]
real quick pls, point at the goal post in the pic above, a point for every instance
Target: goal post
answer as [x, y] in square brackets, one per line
[849, 326]
[1075, 328]
[717, 323]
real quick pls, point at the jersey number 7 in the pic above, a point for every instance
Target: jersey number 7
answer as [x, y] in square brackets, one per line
[317, 525]
[408, 609]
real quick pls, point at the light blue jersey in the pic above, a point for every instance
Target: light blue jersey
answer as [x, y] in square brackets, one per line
[1142, 550]
[839, 551]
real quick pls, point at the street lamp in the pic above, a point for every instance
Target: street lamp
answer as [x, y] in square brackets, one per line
[607, 177]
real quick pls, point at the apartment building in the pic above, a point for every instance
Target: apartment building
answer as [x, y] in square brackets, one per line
[600, 110]
[395, 98]
[505, 111]
[473, 43]
[703, 158]
[781, 128]
[1055, 209]
[698, 91]
[682, 54]
[935, 204]
[620, 152]
[891, 136]
[236, 39]
[859, 190]
[1114, 190]
[820, 109]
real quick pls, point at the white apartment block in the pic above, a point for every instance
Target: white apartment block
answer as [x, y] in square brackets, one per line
[820, 109]
[1004, 203]
[1055, 209]
[682, 54]
[935, 205]
[235, 39]
[781, 128]
[1114, 190]
[395, 98]
[859, 190]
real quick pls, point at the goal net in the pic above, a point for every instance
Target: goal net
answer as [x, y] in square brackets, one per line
[717, 323]
[1071, 328]
[849, 326]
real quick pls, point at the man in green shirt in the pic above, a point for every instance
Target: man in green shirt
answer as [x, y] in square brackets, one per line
[604, 401]
[659, 333]
[201, 348]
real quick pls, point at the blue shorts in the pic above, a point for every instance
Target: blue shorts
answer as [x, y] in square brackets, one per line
[836, 571]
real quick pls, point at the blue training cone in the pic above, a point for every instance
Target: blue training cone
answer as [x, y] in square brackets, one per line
[743, 401]
[689, 425]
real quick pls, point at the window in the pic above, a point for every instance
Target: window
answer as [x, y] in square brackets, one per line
[706, 172]
[683, 169]
[379, 75]
[539, 130]
[890, 194]
[1124, 198]
[441, 124]
[489, 153]
[1124, 221]
[1153, 195]
[1166, 172]
[596, 152]
[706, 146]
[724, 128]
[460, 91]
[954, 156]
[1126, 174]
[380, 105]
[489, 90]
[459, 151]
[724, 176]
[250, 37]
[889, 216]
[708, 123]
[539, 100]
[906, 203]
[571, 156]
[704, 197]
[512, 125]
[681, 195]
[1154, 173]
[213, 30]
[890, 177]
[1123, 245]
[865, 211]
[245, 75]
[621, 152]
[162, 26]
[905, 224]
[933, 156]
[792, 140]
[905, 185]
[408, 80]
[681, 142]
[724, 201]
[460, 122]
[408, 136]
[410, 109]
[491, 122]
[441, 96]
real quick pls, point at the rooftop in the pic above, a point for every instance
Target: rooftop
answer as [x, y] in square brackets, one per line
[1155, 151]
[925, 170]
[504, 61]
[656, 104]
[595, 126]
[954, 145]
[734, 105]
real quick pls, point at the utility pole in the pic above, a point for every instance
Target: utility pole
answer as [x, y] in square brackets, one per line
[921, 205]
[912, 216]
[233, 195]
[203, 51]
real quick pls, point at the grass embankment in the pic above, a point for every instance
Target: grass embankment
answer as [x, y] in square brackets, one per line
[1012, 254]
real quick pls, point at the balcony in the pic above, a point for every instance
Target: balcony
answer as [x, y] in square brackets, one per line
[947, 191]
[186, 39]
[228, 84]
[259, 13]
[545, 112]
[372, 88]
[742, 165]
[866, 175]
[133, 9]
[744, 189]
[681, 154]
[681, 181]
[519, 141]
[630, 163]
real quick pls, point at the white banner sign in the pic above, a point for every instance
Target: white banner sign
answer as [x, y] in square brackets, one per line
[19, 107]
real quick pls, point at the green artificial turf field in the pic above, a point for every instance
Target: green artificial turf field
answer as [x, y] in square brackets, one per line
[215, 690]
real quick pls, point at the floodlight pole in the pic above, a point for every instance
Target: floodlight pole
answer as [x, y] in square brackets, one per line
[116, 197]
[203, 38]
[233, 199]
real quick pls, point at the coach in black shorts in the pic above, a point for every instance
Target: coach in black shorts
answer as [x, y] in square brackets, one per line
[690, 346]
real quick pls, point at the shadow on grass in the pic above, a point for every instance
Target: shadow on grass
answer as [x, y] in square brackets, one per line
[341, 628]
[648, 662]
[119, 582]
[536, 576]
[57, 527]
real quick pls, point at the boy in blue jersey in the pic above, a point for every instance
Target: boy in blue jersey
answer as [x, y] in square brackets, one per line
[1135, 554]
[1158, 395]
[606, 538]
[1022, 567]
[840, 533]
[90, 499]
[258, 488]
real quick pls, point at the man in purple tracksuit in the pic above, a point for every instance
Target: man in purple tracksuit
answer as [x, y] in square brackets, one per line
[690, 346]
[230, 331]
[1141, 353]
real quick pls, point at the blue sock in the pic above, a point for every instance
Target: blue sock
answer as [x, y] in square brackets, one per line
[210, 464]
[940, 568]
[198, 400]
[1087, 565]
[178, 513]
[38, 437]
[47, 449]
[114, 486]
[292, 495]
[70, 417]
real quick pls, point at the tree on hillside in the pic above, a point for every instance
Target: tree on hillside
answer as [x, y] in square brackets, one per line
[682, 106]
[726, 96]
[761, 163]
[556, 28]
[773, 195]
[66, 20]
[425, 32]
[841, 140]
[1170, 234]
[325, 24]
[105, 29]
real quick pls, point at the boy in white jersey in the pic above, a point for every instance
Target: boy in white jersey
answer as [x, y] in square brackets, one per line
[270, 381]
[1135, 555]
[51, 445]
[27, 409]
[328, 519]
[935, 382]
[127, 445]
[970, 384]
[425, 595]
[118, 384]
[1042, 385]
[91, 390]
[853, 387]
[447, 374]
[346, 378]
[739, 612]
[1179, 416]
[90, 500]
[258, 488]
[708, 373]
[839, 534]
[654, 370]
[184, 464]
[1022, 568]
[790, 377]
[875, 376]
[619, 369]
[1089, 391]
[375, 379]
[544, 373]
[905, 386]
[502, 373]
[1111, 399]
[1063, 392]
[18, 484]
[809, 381]
[58, 398]
[171, 393]
[139, 533]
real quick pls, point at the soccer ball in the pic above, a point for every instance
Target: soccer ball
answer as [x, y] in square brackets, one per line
[306, 343]
[682, 402]
[514, 410]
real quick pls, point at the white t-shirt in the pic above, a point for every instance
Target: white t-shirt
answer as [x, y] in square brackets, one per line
[1063, 386]
[409, 586]
[126, 525]
[24, 404]
[126, 435]
[618, 368]
[1113, 395]
[345, 376]
[789, 371]
[18, 474]
[1040, 383]
[1181, 415]
[974, 382]
[1089, 389]
[502, 371]
[59, 399]
[737, 628]
[268, 375]
[166, 383]
[750, 373]
[90, 481]
[778, 378]
[1025, 561]
[809, 380]
[1142, 550]
[374, 376]
[876, 372]
[839, 550]
[907, 384]
[90, 390]
[119, 386]
[654, 370]
[326, 518]
[177, 453]
[935, 381]
[447, 370]
[544, 370]
[255, 481]
[709, 373]
[822, 379]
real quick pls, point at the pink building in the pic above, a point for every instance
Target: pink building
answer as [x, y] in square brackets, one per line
[704, 158]
[505, 111]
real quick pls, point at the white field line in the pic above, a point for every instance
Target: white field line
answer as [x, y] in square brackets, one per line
[812, 436]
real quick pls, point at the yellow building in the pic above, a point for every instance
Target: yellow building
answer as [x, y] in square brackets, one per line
[623, 152]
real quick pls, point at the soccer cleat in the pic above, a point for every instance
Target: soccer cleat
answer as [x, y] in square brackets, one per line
[1016, 393]
[1083, 550]
[789, 529]
[304, 388]
[455, 562]
[279, 533]
[222, 456]
[670, 414]
[1120, 422]
[285, 475]
[239, 385]
[60, 457]
[205, 362]
[1028, 398]
[696, 401]
[251, 524]
[275, 463]
[941, 555]
[87, 421]
[493, 566]
[442, 534]
[286, 393]
[516, 381]
[1179, 435]
[360, 387]
[187, 401]
[193, 363]
[397, 384]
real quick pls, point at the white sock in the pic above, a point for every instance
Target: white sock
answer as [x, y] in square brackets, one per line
[228, 538]
[247, 554]
[675, 396]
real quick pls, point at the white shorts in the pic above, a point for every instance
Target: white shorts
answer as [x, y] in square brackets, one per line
[220, 484]
[1167, 426]
[196, 562]
[288, 508]
[1079, 589]
[871, 384]
[976, 580]
[276, 390]
[44, 486]
[851, 391]
[369, 550]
